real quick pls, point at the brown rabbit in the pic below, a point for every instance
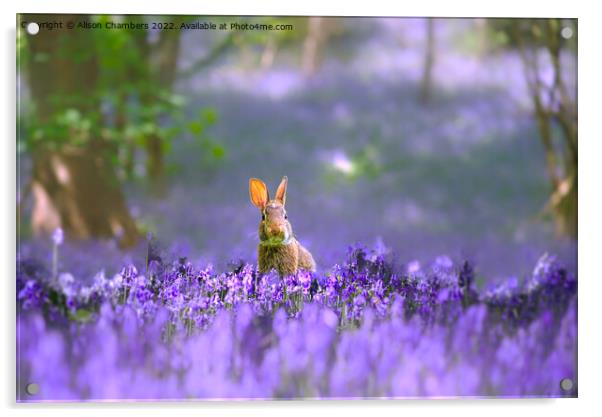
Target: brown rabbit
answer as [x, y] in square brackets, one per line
[278, 248]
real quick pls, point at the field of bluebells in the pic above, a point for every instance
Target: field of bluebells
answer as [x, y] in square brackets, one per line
[366, 328]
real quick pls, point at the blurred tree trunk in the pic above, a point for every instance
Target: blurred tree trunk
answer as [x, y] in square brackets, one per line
[165, 64]
[426, 85]
[167, 53]
[129, 159]
[312, 46]
[159, 73]
[77, 190]
[480, 27]
[553, 107]
[269, 53]
[73, 187]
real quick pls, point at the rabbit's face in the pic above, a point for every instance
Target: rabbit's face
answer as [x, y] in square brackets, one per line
[274, 225]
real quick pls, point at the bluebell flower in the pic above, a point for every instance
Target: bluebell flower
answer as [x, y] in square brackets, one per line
[363, 328]
[58, 236]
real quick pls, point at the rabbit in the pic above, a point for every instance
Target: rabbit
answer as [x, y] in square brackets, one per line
[278, 248]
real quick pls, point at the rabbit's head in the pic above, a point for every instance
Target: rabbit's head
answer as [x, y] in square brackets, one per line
[274, 227]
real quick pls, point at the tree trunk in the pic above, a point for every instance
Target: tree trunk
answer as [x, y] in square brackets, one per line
[167, 53]
[155, 165]
[73, 187]
[312, 46]
[429, 61]
[269, 53]
[165, 60]
[160, 70]
[561, 166]
[564, 199]
[76, 189]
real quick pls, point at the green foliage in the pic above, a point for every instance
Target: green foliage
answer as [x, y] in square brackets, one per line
[66, 127]
[214, 152]
[126, 107]
[491, 35]
[511, 33]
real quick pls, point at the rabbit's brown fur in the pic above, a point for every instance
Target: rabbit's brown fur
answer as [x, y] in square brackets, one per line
[278, 248]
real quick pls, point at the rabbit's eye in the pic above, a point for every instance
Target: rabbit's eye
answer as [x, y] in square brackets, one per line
[263, 216]
[286, 216]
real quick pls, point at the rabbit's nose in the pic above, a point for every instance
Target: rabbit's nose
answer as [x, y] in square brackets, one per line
[275, 229]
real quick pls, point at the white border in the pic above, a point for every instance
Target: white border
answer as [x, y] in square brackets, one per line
[590, 206]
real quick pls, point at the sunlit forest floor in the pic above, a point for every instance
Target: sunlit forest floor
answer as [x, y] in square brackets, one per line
[461, 175]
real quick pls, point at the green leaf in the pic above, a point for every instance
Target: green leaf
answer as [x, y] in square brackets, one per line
[209, 115]
[218, 151]
[196, 127]
[177, 100]
[71, 116]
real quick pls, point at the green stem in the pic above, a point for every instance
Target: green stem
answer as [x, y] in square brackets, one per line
[55, 261]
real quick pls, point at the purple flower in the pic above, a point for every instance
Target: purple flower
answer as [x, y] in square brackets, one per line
[363, 329]
[31, 295]
[58, 236]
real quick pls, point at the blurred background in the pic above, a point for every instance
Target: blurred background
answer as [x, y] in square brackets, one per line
[416, 137]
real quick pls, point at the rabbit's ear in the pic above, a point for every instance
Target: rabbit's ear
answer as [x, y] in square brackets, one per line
[259, 193]
[281, 191]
